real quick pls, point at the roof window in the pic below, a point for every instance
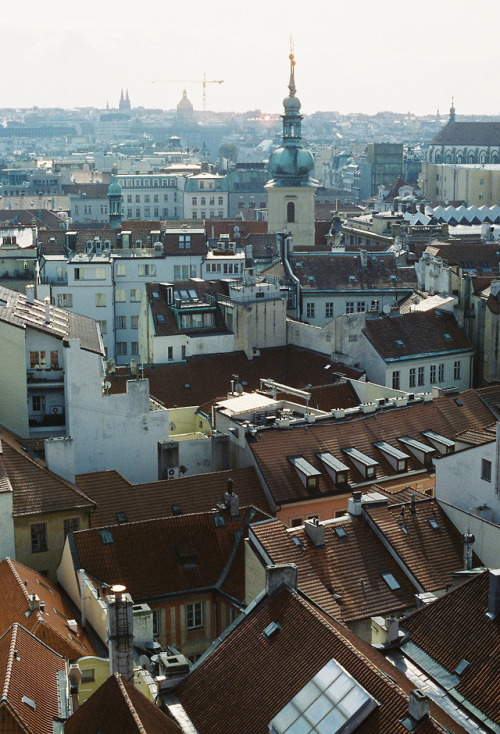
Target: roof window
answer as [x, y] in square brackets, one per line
[400, 343]
[396, 458]
[308, 474]
[219, 521]
[121, 517]
[160, 318]
[391, 582]
[341, 532]
[444, 445]
[29, 702]
[271, 630]
[106, 537]
[434, 524]
[176, 510]
[363, 463]
[337, 470]
[297, 541]
[463, 664]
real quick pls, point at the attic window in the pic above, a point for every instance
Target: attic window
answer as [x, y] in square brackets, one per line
[187, 385]
[297, 542]
[458, 402]
[121, 517]
[176, 510]
[308, 474]
[156, 294]
[187, 555]
[400, 343]
[363, 463]
[160, 318]
[434, 524]
[393, 277]
[298, 265]
[337, 470]
[219, 521]
[341, 532]
[463, 664]
[352, 277]
[447, 337]
[29, 702]
[106, 537]
[271, 630]
[391, 581]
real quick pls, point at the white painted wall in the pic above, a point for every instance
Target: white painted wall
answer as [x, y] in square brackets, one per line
[7, 542]
[13, 385]
[487, 534]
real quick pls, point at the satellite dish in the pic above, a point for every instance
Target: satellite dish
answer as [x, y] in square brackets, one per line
[386, 309]
[145, 663]
[107, 384]
[238, 388]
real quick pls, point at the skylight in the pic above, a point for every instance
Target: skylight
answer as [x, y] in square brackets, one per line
[106, 537]
[434, 524]
[341, 532]
[219, 521]
[332, 701]
[121, 517]
[390, 581]
[160, 318]
[297, 542]
[271, 630]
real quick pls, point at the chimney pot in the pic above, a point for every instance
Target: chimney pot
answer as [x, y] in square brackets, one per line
[47, 310]
[278, 574]
[33, 603]
[30, 294]
[392, 629]
[354, 504]
[418, 705]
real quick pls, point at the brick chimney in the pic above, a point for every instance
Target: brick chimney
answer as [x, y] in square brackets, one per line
[121, 633]
[281, 573]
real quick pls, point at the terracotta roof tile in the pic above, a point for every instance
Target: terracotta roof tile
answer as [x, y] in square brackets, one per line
[430, 553]
[411, 334]
[36, 490]
[209, 378]
[117, 706]
[186, 552]
[272, 446]
[28, 668]
[455, 628]
[343, 272]
[18, 582]
[223, 695]
[199, 493]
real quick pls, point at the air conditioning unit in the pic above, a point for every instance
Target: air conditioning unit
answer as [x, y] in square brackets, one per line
[173, 473]
[57, 410]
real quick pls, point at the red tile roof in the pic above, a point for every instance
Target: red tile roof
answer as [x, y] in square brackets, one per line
[36, 490]
[455, 628]
[18, 583]
[349, 566]
[432, 332]
[117, 706]
[28, 673]
[209, 378]
[183, 553]
[430, 554]
[199, 493]
[247, 679]
[271, 447]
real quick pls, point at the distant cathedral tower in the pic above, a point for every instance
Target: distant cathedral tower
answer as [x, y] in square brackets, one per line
[291, 189]
[124, 103]
[114, 201]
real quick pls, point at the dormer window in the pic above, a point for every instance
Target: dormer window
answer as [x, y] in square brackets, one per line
[308, 474]
[441, 443]
[420, 450]
[396, 458]
[363, 463]
[337, 470]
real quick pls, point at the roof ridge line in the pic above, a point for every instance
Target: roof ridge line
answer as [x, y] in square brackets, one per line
[130, 705]
[8, 671]
[18, 578]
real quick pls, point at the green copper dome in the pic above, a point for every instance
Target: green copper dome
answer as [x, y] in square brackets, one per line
[114, 189]
[294, 162]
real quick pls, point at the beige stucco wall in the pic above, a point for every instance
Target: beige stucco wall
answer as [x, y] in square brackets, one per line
[477, 186]
[302, 229]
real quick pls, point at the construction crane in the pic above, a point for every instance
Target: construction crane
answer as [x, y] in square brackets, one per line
[203, 82]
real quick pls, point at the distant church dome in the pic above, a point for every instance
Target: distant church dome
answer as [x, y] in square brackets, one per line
[185, 106]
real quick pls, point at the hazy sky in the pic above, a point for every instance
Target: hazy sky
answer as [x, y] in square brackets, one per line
[359, 55]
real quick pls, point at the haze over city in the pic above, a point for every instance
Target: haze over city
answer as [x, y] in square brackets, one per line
[351, 57]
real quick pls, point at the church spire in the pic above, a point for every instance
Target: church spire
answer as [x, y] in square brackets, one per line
[452, 113]
[291, 83]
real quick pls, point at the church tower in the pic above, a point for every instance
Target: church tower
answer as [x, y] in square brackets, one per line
[291, 189]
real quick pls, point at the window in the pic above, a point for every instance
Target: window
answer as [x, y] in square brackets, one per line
[134, 348]
[433, 373]
[349, 307]
[290, 212]
[38, 403]
[310, 310]
[221, 201]
[391, 581]
[120, 270]
[39, 537]
[37, 359]
[170, 353]
[156, 212]
[100, 300]
[329, 310]
[156, 622]
[183, 351]
[361, 306]
[147, 269]
[65, 300]
[486, 470]
[184, 242]
[88, 676]
[412, 379]
[100, 273]
[202, 201]
[134, 322]
[71, 525]
[103, 325]
[54, 359]
[456, 371]
[121, 322]
[395, 380]
[120, 295]
[121, 348]
[296, 522]
[441, 373]
[137, 199]
[194, 201]
[194, 615]
[375, 305]
[135, 295]
[421, 376]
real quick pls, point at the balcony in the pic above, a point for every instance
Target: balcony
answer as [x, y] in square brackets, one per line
[48, 377]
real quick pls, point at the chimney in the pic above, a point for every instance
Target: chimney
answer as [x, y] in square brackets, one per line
[231, 500]
[316, 531]
[30, 294]
[33, 603]
[73, 625]
[121, 633]
[281, 573]
[468, 539]
[354, 504]
[418, 705]
[47, 309]
[494, 592]
[392, 629]
[74, 677]
[363, 258]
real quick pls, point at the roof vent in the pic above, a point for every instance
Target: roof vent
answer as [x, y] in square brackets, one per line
[34, 603]
[280, 574]
[73, 626]
[271, 630]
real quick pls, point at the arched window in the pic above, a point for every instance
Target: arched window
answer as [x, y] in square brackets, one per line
[290, 212]
[482, 157]
[448, 157]
[494, 157]
[437, 158]
[471, 158]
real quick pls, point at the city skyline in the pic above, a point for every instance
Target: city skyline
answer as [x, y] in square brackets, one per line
[361, 58]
